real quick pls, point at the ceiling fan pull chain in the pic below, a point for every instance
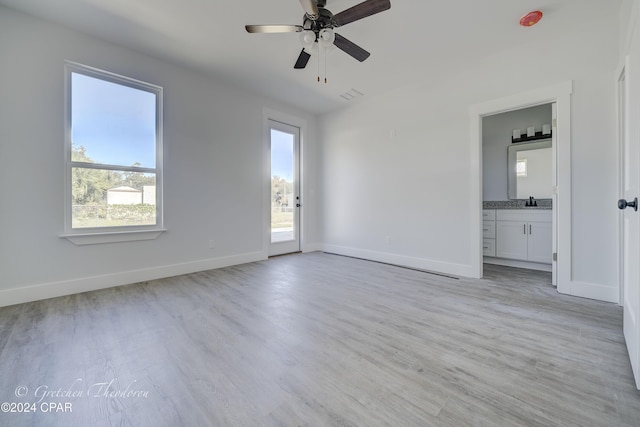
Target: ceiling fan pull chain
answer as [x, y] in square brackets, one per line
[319, 54]
[325, 65]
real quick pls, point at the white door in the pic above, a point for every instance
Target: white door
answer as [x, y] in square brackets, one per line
[511, 239]
[284, 230]
[540, 242]
[629, 94]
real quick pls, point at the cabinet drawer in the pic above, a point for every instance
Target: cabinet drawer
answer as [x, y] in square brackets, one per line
[489, 214]
[489, 247]
[525, 215]
[489, 229]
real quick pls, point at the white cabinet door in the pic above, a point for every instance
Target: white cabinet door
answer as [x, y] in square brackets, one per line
[540, 242]
[511, 240]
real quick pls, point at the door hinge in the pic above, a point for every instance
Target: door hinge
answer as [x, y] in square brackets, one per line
[555, 123]
[555, 256]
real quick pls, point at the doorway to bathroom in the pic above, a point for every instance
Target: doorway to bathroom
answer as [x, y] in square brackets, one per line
[559, 97]
[518, 178]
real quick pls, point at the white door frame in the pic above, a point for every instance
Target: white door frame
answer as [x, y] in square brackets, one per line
[292, 245]
[269, 115]
[621, 132]
[561, 95]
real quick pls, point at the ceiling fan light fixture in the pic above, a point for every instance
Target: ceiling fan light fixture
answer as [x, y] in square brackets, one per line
[326, 37]
[307, 38]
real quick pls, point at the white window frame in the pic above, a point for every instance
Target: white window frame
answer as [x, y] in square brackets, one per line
[84, 236]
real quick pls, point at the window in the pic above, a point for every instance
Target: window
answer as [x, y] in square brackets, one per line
[521, 168]
[113, 153]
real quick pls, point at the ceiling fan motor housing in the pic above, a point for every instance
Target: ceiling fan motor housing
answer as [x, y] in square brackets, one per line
[325, 20]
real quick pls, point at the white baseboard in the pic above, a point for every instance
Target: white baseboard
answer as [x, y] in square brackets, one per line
[578, 289]
[595, 291]
[311, 247]
[402, 260]
[74, 286]
[68, 287]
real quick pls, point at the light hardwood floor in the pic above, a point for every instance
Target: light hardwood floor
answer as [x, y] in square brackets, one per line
[318, 339]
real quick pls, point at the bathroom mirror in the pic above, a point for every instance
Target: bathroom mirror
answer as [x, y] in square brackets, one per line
[530, 170]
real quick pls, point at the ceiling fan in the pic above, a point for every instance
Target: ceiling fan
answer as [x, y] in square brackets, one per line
[319, 23]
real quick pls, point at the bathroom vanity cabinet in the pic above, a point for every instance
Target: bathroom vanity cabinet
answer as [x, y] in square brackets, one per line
[518, 234]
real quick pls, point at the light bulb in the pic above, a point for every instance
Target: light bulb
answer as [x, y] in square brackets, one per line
[326, 37]
[307, 38]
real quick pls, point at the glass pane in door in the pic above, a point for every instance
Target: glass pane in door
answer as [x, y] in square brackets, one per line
[283, 202]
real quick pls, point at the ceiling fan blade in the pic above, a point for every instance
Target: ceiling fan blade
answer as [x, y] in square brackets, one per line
[273, 28]
[362, 10]
[310, 8]
[351, 48]
[302, 61]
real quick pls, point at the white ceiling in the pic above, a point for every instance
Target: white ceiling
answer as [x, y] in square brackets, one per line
[414, 40]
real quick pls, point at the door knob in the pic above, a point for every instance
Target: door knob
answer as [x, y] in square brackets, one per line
[623, 204]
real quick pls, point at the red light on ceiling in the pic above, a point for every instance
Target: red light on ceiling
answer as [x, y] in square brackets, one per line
[531, 18]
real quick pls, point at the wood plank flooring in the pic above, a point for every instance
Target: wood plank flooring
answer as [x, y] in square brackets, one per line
[319, 340]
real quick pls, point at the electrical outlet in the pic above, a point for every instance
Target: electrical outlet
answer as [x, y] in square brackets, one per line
[387, 240]
[212, 244]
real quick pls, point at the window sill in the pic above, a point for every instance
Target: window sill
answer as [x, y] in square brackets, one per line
[112, 237]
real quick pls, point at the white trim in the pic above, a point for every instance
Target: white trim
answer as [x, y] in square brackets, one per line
[406, 261]
[621, 123]
[594, 291]
[42, 291]
[110, 233]
[288, 246]
[554, 194]
[561, 95]
[112, 237]
[312, 247]
[269, 114]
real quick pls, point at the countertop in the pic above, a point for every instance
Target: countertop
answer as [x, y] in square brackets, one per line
[543, 204]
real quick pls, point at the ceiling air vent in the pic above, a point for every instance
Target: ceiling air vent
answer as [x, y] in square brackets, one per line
[352, 94]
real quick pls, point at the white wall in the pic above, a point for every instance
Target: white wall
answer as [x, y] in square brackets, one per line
[213, 168]
[628, 9]
[496, 138]
[416, 187]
